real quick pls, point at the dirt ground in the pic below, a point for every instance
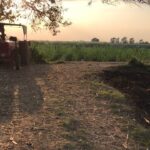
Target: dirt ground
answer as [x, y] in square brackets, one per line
[56, 107]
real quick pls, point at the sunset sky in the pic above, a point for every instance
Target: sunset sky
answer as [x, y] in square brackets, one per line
[100, 20]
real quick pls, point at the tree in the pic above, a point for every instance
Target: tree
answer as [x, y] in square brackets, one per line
[124, 40]
[114, 40]
[131, 41]
[48, 13]
[117, 40]
[95, 40]
[146, 42]
[141, 41]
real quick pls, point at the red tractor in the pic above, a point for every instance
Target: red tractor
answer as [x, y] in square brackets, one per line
[12, 51]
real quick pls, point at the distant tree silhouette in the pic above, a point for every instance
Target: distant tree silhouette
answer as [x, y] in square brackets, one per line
[95, 40]
[124, 40]
[146, 42]
[141, 41]
[117, 40]
[114, 40]
[131, 41]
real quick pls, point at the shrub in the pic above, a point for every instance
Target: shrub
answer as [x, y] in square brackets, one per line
[135, 62]
[37, 57]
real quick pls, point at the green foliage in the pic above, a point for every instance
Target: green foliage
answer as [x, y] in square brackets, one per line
[37, 57]
[135, 62]
[142, 135]
[111, 94]
[48, 13]
[77, 51]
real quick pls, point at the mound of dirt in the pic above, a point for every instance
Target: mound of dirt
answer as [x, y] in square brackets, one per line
[134, 81]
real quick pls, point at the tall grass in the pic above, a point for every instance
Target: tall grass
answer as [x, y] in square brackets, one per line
[77, 51]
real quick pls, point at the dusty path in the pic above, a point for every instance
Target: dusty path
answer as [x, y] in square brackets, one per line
[54, 107]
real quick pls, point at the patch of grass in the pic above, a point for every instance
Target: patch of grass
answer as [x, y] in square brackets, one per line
[86, 146]
[61, 113]
[70, 146]
[116, 107]
[110, 94]
[141, 135]
[37, 57]
[97, 83]
[57, 62]
[71, 124]
[78, 136]
[117, 99]
[133, 81]
[120, 109]
[79, 140]
[76, 146]
[62, 108]
[134, 62]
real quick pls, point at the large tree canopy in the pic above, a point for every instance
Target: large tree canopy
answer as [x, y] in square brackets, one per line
[48, 13]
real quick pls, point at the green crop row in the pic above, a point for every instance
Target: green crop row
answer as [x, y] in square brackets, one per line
[77, 51]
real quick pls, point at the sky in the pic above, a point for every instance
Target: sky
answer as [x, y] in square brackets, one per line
[99, 20]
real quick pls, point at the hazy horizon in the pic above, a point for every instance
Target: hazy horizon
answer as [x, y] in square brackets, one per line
[99, 20]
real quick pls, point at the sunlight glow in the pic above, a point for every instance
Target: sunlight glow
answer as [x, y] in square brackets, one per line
[99, 20]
